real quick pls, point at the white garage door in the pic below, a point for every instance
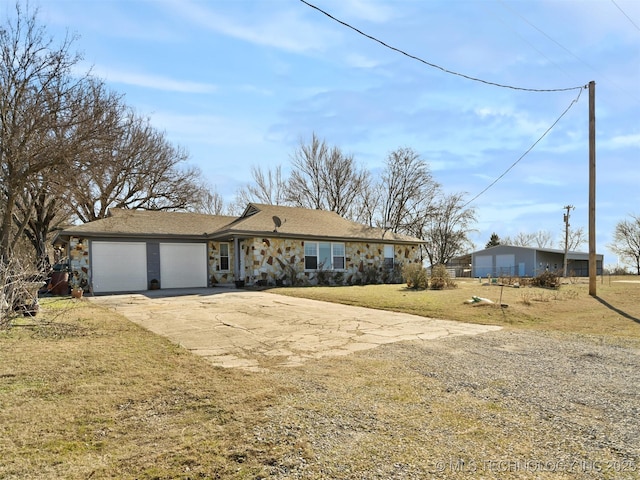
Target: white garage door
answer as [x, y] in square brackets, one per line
[183, 265]
[119, 266]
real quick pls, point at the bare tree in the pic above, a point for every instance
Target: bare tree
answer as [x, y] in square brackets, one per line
[209, 202]
[343, 182]
[577, 238]
[522, 239]
[626, 241]
[447, 228]
[407, 189]
[540, 239]
[36, 85]
[367, 204]
[42, 209]
[324, 178]
[305, 188]
[543, 239]
[43, 205]
[134, 167]
[268, 187]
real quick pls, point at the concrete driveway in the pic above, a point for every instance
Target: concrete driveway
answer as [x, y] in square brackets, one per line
[254, 330]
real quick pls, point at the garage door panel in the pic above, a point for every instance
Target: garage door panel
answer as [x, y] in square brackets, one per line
[505, 264]
[183, 265]
[119, 266]
[483, 265]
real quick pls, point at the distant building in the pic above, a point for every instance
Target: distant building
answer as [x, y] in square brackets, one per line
[508, 260]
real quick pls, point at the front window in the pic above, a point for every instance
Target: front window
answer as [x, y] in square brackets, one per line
[388, 257]
[310, 256]
[224, 256]
[324, 256]
[338, 256]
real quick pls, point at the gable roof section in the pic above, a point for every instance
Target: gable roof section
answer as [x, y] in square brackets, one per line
[150, 223]
[296, 222]
[256, 220]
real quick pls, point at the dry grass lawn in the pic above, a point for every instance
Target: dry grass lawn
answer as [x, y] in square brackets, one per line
[84, 393]
[614, 311]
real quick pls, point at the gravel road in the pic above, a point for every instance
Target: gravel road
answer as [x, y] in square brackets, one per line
[508, 404]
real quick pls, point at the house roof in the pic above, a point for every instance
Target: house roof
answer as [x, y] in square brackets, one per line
[280, 221]
[149, 223]
[257, 219]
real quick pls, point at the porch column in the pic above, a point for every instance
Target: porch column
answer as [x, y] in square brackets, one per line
[237, 260]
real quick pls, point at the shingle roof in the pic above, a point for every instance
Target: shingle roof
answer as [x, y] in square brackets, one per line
[150, 223]
[303, 222]
[257, 219]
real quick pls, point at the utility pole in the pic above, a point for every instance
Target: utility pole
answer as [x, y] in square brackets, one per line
[592, 188]
[566, 236]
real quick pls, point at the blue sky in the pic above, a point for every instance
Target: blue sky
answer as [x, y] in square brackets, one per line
[240, 83]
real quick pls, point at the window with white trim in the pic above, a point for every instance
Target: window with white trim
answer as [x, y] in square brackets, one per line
[324, 256]
[388, 257]
[224, 256]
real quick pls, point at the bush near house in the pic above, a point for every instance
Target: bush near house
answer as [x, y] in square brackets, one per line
[415, 276]
[440, 278]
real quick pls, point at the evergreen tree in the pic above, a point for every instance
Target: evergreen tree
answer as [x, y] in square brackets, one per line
[495, 240]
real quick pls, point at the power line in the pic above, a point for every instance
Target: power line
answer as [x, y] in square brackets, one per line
[533, 47]
[573, 102]
[624, 13]
[613, 82]
[433, 65]
[545, 35]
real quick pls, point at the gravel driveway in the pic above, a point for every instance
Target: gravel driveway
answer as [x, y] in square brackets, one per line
[507, 404]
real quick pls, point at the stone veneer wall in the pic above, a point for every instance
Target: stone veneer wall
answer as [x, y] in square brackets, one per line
[273, 260]
[79, 262]
[216, 275]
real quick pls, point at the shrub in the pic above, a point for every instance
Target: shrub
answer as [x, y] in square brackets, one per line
[440, 278]
[290, 273]
[19, 284]
[395, 275]
[546, 280]
[370, 276]
[415, 276]
[323, 276]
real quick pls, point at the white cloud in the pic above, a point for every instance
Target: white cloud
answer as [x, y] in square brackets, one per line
[367, 10]
[279, 28]
[360, 61]
[156, 82]
[623, 141]
[508, 212]
[208, 129]
[548, 181]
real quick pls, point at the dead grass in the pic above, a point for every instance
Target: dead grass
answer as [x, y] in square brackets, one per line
[109, 399]
[84, 393]
[615, 311]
